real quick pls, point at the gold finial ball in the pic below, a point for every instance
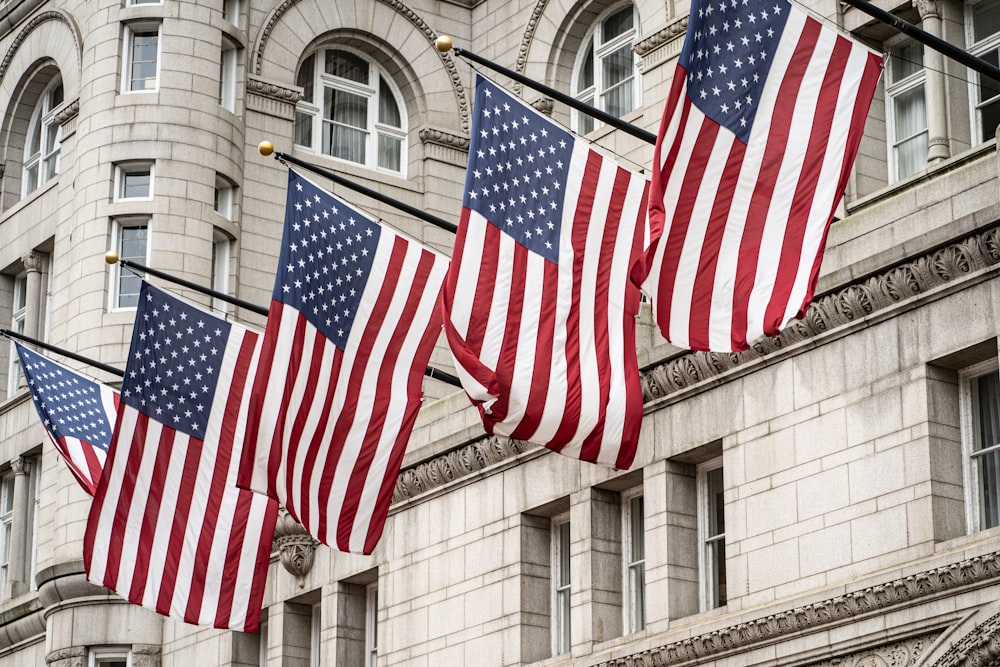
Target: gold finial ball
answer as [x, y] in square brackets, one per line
[111, 257]
[265, 148]
[443, 43]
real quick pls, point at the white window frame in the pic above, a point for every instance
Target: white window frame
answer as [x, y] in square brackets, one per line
[562, 627]
[227, 74]
[262, 643]
[595, 45]
[129, 35]
[19, 311]
[633, 565]
[105, 655]
[707, 562]
[893, 90]
[315, 628]
[371, 624]
[43, 123]
[36, 480]
[225, 194]
[222, 246]
[983, 46]
[969, 430]
[314, 110]
[6, 524]
[124, 169]
[117, 226]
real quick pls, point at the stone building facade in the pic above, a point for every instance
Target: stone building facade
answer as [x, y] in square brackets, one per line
[828, 497]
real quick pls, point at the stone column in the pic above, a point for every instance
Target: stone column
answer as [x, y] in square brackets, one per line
[934, 86]
[32, 293]
[17, 558]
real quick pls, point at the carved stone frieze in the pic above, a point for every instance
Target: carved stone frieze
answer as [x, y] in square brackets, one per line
[675, 30]
[928, 8]
[904, 653]
[543, 105]
[296, 548]
[979, 648]
[68, 112]
[29, 27]
[273, 91]
[431, 136]
[526, 39]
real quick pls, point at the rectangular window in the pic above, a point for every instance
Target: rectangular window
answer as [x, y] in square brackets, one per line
[227, 75]
[561, 635]
[134, 180]
[984, 36]
[712, 531]
[140, 71]
[34, 491]
[6, 524]
[221, 249]
[224, 195]
[371, 625]
[262, 643]
[315, 626]
[131, 242]
[231, 11]
[19, 309]
[634, 551]
[110, 657]
[907, 109]
[980, 404]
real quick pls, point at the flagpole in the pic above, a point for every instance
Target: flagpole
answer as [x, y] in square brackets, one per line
[444, 44]
[266, 148]
[946, 48]
[112, 257]
[64, 352]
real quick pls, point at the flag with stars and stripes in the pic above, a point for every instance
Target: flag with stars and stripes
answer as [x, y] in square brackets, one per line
[78, 414]
[538, 306]
[351, 327]
[169, 529]
[756, 143]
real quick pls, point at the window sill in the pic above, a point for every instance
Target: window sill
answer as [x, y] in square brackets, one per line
[970, 542]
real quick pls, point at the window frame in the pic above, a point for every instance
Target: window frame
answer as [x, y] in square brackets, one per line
[43, 117]
[633, 595]
[314, 109]
[231, 12]
[131, 30]
[6, 525]
[109, 653]
[228, 66]
[561, 623]
[124, 169]
[594, 94]
[968, 428]
[978, 49]
[222, 250]
[894, 90]
[707, 562]
[315, 628]
[371, 624]
[119, 224]
[19, 310]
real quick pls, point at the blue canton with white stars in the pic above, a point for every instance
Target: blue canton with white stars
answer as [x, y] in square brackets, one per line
[518, 168]
[68, 404]
[727, 55]
[326, 257]
[174, 361]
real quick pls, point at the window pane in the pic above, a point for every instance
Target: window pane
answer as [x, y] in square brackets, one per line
[55, 96]
[911, 156]
[985, 19]
[637, 533]
[346, 66]
[31, 178]
[618, 23]
[988, 88]
[345, 108]
[143, 70]
[585, 79]
[35, 143]
[991, 119]
[305, 78]
[906, 58]
[390, 152]
[132, 245]
[388, 111]
[564, 554]
[303, 129]
[637, 582]
[987, 402]
[716, 506]
[344, 142]
[617, 79]
[719, 561]
[135, 184]
[910, 113]
[989, 493]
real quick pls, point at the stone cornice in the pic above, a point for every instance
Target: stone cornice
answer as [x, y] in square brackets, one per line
[881, 597]
[273, 91]
[441, 138]
[675, 30]
[68, 112]
[29, 27]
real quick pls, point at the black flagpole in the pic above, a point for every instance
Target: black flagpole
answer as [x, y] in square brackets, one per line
[443, 44]
[946, 48]
[65, 353]
[113, 258]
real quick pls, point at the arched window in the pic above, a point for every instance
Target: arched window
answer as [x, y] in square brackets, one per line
[606, 74]
[350, 110]
[41, 146]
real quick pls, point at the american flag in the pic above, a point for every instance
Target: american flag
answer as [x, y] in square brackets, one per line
[539, 309]
[169, 529]
[352, 323]
[78, 414]
[756, 143]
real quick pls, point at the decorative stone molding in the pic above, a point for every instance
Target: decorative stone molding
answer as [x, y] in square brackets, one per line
[979, 648]
[675, 30]
[398, 7]
[456, 464]
[21, 623]
[849, 304]
[272, 99]
[543, 105]
[20, 466]
[904, 653]
[3, 169]
[29, 27]
[526, 39]
[899, 592]
[439, 137]
[296, 548]
[33, 261]
[74, 656]
[146, 655]
[928, 8]
[68, 112]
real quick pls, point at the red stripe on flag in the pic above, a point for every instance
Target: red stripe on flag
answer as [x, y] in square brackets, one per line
[760, 201]
[150, 515]
[256, 409]
[488, 258]
[182, 511]
[279, 455]
[538, 391]
[301, 414]
[657, 213]
[511, 335]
